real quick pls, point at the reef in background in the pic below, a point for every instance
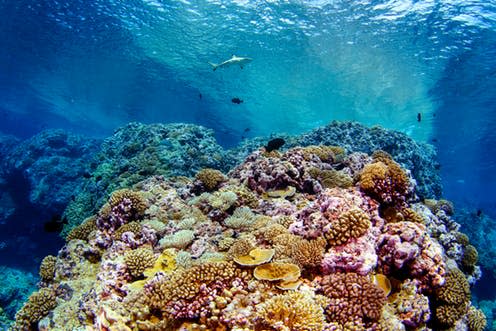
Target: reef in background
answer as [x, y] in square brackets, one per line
[314, 238]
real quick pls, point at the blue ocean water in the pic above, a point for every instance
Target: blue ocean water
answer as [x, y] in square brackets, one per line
[426, 68]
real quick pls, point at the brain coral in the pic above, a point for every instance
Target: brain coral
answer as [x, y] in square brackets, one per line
[293, 311]
[353, 297]
[138, 260]
[47, 268]
[38, 306]
[350, 224]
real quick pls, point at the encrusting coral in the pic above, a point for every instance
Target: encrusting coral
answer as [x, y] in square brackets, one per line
[269, 246]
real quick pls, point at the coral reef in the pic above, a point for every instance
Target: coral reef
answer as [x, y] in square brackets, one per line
[268, 247]
[47, 268]
[39, 304]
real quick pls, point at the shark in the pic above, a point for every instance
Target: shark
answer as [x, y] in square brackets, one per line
[239, 60]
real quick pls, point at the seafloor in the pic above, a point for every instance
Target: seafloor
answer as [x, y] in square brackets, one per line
[344, 229]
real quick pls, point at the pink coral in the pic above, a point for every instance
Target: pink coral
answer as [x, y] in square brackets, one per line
[405, 247]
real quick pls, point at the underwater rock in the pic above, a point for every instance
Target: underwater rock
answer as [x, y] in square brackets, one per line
[46, 170]
[200, 285]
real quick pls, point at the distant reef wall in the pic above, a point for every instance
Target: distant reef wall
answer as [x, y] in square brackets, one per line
[56, 170]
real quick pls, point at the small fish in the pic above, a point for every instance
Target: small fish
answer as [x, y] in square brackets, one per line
[419, 117]
[234, 60]
[479, 212]
[247, 130]
[236, 100]
[86, 174]
[434, 140]
[274, 144]
[200, 96]
[56, 224]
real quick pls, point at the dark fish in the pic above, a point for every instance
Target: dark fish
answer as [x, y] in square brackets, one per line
[274, 144]
[236, 100]
[479, 212]
[86, 175]
[200, 96]
[419, 117]
[434, 140]
[56, 224]
[247, 129]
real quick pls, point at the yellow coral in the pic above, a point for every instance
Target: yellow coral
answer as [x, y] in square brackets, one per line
[38, 306]
[284, 193]
[372, 173]
[331, 178]
[210, 178]
[470, 257]
[83, 230]
[293, 311]
[350, 224]
[139, 260]
[324, 153]
[256, 257]
[277, 271]
[453, 298]
[476, 320]
[308, 253]
[133, 227]
[186, 284]
[47, 268]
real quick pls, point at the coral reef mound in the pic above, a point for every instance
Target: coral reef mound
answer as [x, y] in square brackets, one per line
[218, 252]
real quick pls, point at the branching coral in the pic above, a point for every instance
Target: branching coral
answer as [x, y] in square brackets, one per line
[292, 311]
[47, 268]
[353, 297]
[242, 217]
[453, 298]
[210, 178]
[122, 207]
[187, 293]
[38, 306]
[476, 320]
[138, 260]
[350, 224]
[83, 230]
[307, 253]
